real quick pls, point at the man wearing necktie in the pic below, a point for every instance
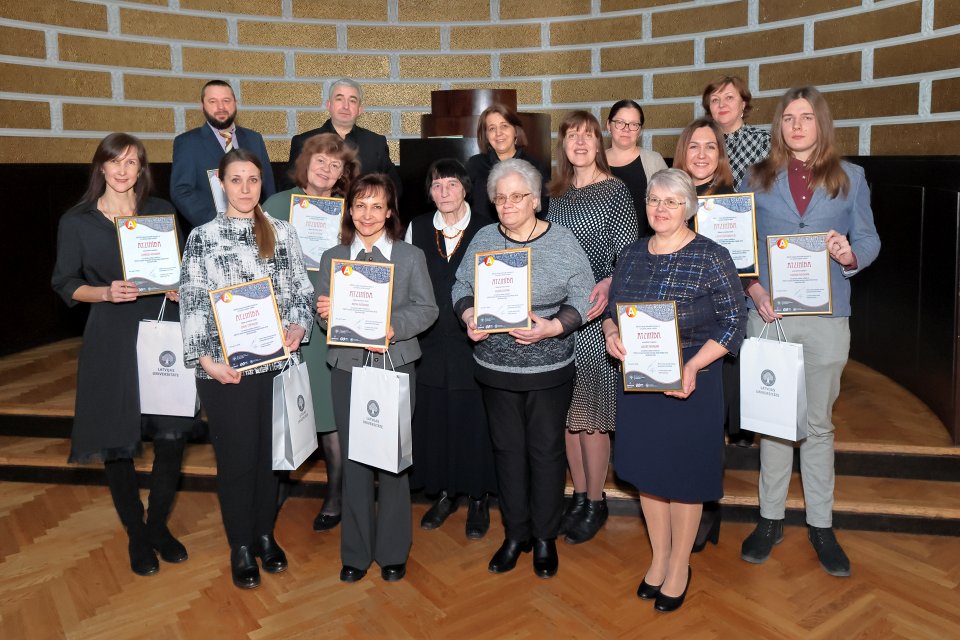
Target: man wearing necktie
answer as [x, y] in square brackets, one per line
[199, 150]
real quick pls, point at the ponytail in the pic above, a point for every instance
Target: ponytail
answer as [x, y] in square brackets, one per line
[264, 234]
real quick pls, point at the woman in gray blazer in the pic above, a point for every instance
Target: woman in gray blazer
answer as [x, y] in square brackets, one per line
[371, 231]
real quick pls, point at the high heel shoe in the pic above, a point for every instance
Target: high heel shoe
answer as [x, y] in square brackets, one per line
[648, 591]
[666, 604]
[709, 533]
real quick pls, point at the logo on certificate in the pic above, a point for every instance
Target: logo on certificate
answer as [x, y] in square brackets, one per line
[167, 359]
[226, 297]
[346, 269]
[782, 243]
[631, 312]
[488, 261]
[304, 203]
[709, 204]
[373, 408]
[130, 224]
[301, 403]
[768, 378]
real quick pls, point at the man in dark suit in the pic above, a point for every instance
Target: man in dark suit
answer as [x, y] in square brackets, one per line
[199, 150]
[345, 104]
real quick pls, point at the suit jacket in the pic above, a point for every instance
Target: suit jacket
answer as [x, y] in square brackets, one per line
[777, 214]
[372, 151]
[414, 307]
[196, 151]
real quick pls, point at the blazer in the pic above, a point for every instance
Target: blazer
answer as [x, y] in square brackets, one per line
[414, 307]
[777, 214]
[372, 151]
[652, 162]
[194, 153]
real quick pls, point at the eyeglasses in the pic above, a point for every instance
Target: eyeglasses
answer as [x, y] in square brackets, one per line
[669, 203]
[629, 126]
[515, 198]
[333, 165]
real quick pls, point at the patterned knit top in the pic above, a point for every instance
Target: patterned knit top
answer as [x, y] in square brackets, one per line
[745, 147]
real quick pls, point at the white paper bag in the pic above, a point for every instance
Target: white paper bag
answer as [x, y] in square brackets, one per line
[773, 390]
[167, 388]
[294, 427]
[380, 433]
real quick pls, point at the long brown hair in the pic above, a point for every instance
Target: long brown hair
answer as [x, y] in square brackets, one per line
[723, 176]
[263, 231]
[825, 168]
[329, 144]
[507, 114]
[563, 177]
[372, 184]
[112, 147]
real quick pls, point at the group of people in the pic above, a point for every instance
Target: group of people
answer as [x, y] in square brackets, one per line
[504, 414]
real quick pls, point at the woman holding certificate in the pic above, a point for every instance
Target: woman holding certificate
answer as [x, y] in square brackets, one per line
[253, 262]
[108, 426]
[375, 529]
[598, 209]
[323, 171]
[805, 188]
[670, 443]
[524, 361]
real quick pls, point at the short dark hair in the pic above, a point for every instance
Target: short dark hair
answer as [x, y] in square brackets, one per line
[448, 168]
[507, 114]
[332, 145]
[371, 184]
[217, 83]
[112, 147]
[624, 104]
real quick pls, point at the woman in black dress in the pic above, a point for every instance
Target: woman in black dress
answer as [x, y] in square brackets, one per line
[108, 426]
[451, 444]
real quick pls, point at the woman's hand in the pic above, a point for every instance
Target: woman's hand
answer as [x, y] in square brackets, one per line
[542, 328]
[121, 291]
[470, 321]
[762, 301]
[323, 306]
[690, 370]
[611, 338]
[293, 335]
[390, 335]
[222, 373]
[840, 250]
[172, 296]
[599, 298]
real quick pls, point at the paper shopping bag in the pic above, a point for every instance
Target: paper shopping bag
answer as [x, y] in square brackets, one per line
[773, 390]
[167, 388]
[294, 428]
[380, 434]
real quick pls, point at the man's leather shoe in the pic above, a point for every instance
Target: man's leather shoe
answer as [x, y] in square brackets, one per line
[272, 557]
[351, 574]
[759, 544]
[439, 512]
[832, 558]
[666, 604]
[325, 521]
[243, 568]
[506, 556]
[478, 517]
[545, 560]
[393, 572]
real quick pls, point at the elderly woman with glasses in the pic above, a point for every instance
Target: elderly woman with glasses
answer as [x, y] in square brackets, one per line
[670, 445]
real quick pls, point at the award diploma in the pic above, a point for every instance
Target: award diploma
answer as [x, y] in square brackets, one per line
[317, 222]
[501, 290]
[248, 321]
[149, 252]
[800, 274]
[361, 295]
[216, 190]
[651, 337]
[730, 221]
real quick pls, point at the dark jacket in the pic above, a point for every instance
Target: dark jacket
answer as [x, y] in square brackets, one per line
[479, 167]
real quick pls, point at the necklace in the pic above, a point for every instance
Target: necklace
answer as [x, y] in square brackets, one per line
[451, 237]
[506, 234]
[440, 250]
[656, 252]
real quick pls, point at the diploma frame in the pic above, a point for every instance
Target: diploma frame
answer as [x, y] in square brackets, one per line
[216, 191]
[335, 266]
[302, 196]
[121, 221]
[216, 293]
[476, 286]
[623, 368]
[773, 294]
[747, 273]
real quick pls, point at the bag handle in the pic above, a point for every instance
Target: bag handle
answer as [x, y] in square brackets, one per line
[366, 359]
[781, 335]
[163, 305]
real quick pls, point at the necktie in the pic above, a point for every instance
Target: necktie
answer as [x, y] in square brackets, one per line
[226, 135]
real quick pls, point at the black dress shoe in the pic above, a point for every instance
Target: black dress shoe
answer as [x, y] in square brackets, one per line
[163, 542]
[243, 568]
[743, 439]
[572, 512]
[478, 517]
[666, 603]
[709, 530]
[506, 556]
[647, 591]
[351, 574]
[393, 572]
[272, 557]
[593, 516]
[439, 512]
[325, 521]
[545, 560]
[143, 561]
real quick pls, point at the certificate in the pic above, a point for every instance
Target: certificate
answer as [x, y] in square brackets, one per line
[317, 222]
[248, 321]
[216, 189]
[800, 274]
[149, 252]
[501, 289]
[361, 295]
[731, 222]
[651, 337]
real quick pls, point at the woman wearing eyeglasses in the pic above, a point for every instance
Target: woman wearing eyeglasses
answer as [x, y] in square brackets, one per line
[670, 445]
[627, 159]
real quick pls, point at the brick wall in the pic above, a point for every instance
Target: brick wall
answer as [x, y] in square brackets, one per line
[71, 71]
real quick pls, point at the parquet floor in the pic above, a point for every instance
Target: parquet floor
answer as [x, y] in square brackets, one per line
[64, 574]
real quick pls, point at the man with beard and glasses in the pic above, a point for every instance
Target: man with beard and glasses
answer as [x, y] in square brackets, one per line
[198, 151]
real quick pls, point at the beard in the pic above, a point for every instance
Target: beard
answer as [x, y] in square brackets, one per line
[217, 124]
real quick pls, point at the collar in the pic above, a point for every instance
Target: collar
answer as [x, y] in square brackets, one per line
[329, 128]
[383, 243]
[232, 129]
[460, 225]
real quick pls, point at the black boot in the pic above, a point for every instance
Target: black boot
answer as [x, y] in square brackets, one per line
[439, 512]
[545, 560]
[478, 517]
[243, 568]
[329, 516]
[164, 480]
[572, 512]
[594, 515]
[122, 480]
[709, 530]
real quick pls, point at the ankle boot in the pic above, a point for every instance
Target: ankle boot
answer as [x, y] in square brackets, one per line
[594, 515]
[440, 511]
[572, 512]
[164, 481]
[478, 517]
[122, 480]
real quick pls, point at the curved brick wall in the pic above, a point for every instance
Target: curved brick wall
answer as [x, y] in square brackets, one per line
[72, 70]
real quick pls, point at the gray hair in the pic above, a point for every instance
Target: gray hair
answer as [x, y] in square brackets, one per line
[346, 82]
[522, 168]
[679, 184]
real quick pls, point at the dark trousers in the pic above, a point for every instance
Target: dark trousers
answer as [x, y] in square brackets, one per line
[376, 527]
[240, 417]
[527, 429]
